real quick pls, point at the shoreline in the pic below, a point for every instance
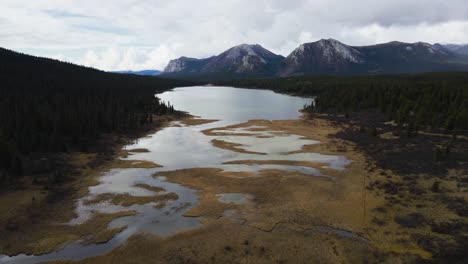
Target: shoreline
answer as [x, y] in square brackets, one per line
[46, 211]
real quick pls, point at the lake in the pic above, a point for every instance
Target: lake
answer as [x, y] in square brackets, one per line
[235, 104]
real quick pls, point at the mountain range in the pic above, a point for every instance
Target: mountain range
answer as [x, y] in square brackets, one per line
[327, 57]
[459, 49]
[241, 60]
[144, 72]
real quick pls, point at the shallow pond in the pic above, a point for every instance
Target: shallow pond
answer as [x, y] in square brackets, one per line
[183, 147]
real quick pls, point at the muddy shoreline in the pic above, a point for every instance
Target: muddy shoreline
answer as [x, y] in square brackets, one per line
[39, 208]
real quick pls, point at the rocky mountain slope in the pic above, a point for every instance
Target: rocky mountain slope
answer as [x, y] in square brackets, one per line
[461, 49]
[326, 56]
[242, 59]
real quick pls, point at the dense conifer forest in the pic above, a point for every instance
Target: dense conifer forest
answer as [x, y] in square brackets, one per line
[51, 106]
[433, 100]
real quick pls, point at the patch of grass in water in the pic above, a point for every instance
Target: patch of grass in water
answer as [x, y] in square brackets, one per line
[128, 200]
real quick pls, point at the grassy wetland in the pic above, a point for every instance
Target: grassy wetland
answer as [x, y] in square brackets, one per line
[298, 188]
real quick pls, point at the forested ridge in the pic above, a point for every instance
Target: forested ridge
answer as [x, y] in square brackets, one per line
[52, 106]
[433, 100]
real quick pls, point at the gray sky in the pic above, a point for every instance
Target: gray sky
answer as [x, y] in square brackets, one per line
[146, 34]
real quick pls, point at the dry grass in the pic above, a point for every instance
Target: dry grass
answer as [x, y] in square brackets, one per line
[279, 162]
[139, 150]
[228, 242]
[129, 164]
[232, 146]
[104, 236]
[128, 200]
[150, 188]
[41, 239]
[298, 201]
[279, 226]
[194, 121]
[31, 218]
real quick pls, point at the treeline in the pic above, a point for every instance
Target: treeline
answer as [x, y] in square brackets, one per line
[434, 100]
[51, 106]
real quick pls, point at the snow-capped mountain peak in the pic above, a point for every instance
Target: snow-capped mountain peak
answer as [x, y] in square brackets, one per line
[460, 49]
[239, 53]
[250, 49]
[244, 58]
[328, 51]
[328, 56]
[332, 48]
[433, 49]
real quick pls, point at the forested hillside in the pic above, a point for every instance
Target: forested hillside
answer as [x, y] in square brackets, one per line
[52, 106]
[437, 100]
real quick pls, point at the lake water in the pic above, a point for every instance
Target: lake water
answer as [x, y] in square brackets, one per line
[184, 147]
[235, 104]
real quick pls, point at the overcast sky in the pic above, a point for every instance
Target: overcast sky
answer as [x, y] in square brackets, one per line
[146, 34]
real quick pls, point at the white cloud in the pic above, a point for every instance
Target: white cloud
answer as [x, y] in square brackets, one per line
[134, 58]
[146, 34]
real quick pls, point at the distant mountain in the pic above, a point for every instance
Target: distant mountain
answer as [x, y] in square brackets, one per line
[457, 48]
[326, 56]
[245, 59]
[249, 60]
[185, 65]
[145, 72]
[333, 57]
